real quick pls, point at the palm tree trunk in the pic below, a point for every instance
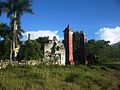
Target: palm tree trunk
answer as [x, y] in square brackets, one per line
[14, 34]
[11, 51]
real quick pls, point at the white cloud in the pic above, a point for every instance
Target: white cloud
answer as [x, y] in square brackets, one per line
[43, 33]
[109, 34]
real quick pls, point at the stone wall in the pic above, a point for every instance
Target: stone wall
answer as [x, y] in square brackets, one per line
[54, 52]
[16, 63]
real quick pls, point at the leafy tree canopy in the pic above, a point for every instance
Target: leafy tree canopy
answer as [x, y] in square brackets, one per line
[32, 50]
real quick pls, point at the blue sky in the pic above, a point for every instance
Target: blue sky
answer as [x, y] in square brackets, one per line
[91, 16]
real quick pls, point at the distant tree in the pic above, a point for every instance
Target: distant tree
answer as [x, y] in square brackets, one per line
[42, 41]
[32, 51]
[4, 50]
[91, 41]
[90, 51]
[94, 50]
[4, 31]
[5, 34]
[109, 54]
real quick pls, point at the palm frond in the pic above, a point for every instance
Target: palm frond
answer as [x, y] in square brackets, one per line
[20, 7]
[25, 6]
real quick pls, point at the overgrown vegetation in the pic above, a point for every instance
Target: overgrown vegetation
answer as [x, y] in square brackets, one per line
[98, 52]
[31, 51]
[14, 9]
[44, 77]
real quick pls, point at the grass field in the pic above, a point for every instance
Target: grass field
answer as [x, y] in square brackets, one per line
[55, 77]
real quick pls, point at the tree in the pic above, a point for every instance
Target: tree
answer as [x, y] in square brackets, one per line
[90, 52]
[4, 31]
[4, 41]
[109, 54]
[32, 51]
[4, 49]
[42, 41]
[14, 10]
[95, 50]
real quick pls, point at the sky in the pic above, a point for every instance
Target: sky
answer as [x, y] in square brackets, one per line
[98, 19]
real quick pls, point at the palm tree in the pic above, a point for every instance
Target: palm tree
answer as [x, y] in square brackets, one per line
[15, 9]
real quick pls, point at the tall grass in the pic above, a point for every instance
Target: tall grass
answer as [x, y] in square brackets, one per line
[53, 77]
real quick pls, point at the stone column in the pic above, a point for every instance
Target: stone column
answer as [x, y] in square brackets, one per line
[68, 42]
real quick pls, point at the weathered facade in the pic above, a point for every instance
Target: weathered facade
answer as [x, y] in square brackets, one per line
[17, 50]
[79, 54]
[54, 52]
[68, 42]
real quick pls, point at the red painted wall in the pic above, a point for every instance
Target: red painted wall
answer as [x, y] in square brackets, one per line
[71, 47]
[85, 40]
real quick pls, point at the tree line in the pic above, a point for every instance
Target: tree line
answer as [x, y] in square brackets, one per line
[97, 51]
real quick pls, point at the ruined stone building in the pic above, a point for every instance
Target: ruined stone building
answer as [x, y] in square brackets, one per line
[68, 42]
[77, 57]
[79, 54]
[29, 37]
[54, 52]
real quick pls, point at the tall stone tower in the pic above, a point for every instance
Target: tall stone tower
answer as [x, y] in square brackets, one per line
[81, 51]
[29, 37]
[85, 39]
[68, 42]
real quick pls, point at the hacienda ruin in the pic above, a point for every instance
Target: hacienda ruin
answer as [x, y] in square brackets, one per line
[61, 53]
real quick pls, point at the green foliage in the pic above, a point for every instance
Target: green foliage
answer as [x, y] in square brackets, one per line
[11, 6]
[14, 10]
[32, 51]
[55, 77]
[42, 41]
[4, 41]
[76, 39]
[4, 50]
[100, 52]
[4, 31]
[109, 54]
